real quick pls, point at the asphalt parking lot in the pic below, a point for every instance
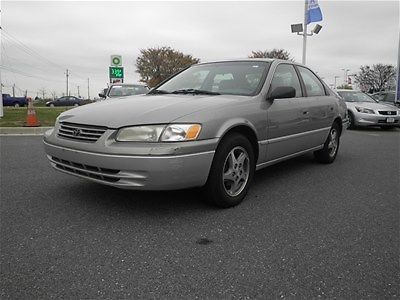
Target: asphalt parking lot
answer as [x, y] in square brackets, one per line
[305, 230]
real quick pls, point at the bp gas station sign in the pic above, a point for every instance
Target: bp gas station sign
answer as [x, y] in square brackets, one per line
[116, 71]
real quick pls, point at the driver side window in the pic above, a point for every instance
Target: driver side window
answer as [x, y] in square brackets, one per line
[285, 75]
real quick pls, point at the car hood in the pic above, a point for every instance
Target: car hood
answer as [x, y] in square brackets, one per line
[146, 109]
[370, 105]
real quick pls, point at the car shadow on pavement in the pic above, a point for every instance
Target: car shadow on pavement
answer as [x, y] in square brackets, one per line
[164, 202]
[156, 202]
[373, 129]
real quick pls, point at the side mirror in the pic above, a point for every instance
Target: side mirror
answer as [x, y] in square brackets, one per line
[282, 92]
[101, 95]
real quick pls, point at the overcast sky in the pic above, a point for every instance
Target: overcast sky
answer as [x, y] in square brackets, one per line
[81, 36]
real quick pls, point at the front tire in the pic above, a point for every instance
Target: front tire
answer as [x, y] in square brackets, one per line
[16, 105]
[351, 121]
[231, 172]
[331, 146]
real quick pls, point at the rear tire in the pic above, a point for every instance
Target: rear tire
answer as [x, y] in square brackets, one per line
[231, 172]
[16, 105]
[331, 146]
[76, 104]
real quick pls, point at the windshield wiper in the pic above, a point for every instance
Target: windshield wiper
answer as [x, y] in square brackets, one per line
[195, 92]
[158, 92]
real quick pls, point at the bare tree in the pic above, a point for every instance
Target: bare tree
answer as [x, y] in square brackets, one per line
[42, 92]
[274, 53]
[54, 94]
[157, 64]
[379, 77]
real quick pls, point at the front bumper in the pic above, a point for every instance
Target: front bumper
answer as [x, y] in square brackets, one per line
[131, 171]
[362, 119]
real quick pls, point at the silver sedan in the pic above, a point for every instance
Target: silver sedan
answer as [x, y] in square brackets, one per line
[211, 125]
[363, 110]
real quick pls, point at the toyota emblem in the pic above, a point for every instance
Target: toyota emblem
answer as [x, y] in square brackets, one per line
[76, 132]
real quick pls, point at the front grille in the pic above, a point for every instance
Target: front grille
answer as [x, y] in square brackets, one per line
[388, 112]
[85, 133]
[103, 174]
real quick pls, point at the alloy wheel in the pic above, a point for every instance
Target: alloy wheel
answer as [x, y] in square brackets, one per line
[333, 142]
[236, 171]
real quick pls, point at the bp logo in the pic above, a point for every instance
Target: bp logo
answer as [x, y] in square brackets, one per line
[116, 60]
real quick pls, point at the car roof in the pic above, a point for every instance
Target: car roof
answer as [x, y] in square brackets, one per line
[251, 60]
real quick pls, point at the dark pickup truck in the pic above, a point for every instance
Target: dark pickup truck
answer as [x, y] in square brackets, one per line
[14, 101]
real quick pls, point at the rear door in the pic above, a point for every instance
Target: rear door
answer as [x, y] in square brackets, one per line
[284, 125]
[317, 108]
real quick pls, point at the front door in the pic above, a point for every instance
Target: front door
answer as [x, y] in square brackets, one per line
[285, 119]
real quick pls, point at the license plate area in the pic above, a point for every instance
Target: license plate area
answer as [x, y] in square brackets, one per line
[389, 120]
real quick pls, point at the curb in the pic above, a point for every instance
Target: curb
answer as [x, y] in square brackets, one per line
[21, 131]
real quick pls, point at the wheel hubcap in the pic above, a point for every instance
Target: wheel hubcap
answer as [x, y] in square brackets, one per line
[236, 171]
[333, 142]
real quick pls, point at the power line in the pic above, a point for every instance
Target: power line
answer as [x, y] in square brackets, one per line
[29, 50]
[15, 71]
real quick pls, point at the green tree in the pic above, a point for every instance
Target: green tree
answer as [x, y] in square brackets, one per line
[274, 53]
[377, 78]
[157, 64]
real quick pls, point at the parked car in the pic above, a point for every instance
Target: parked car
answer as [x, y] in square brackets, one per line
[118, 90]
[363, 110]
[211, 125]
[65, 101]
[14, 101]
[387, 97]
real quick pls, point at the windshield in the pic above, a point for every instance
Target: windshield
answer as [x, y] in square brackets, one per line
[126, 90]
[226, 78]
[356, 97]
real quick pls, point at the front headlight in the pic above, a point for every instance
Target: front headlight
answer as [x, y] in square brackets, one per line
[181, 132]
[364, 110]
[150, 133]
[159, 133]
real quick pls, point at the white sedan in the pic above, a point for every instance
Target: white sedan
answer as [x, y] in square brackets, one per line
[363, 110]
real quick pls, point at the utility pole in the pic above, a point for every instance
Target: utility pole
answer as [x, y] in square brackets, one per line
[78, 91]
[13, 90]
[88, 95]
[67, 75]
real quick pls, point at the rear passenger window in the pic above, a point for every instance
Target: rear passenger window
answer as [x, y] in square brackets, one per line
[285, 75]
[314, 87]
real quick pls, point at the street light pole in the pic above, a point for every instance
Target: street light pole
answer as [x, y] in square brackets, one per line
[345, 78]
[67, 75]
[336, 77]
[88, 95]
[301, 29]
[305, 33]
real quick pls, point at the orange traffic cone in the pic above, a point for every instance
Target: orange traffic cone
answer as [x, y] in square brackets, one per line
[31, 118]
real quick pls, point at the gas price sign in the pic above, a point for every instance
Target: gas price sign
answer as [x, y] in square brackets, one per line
[116, 73]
